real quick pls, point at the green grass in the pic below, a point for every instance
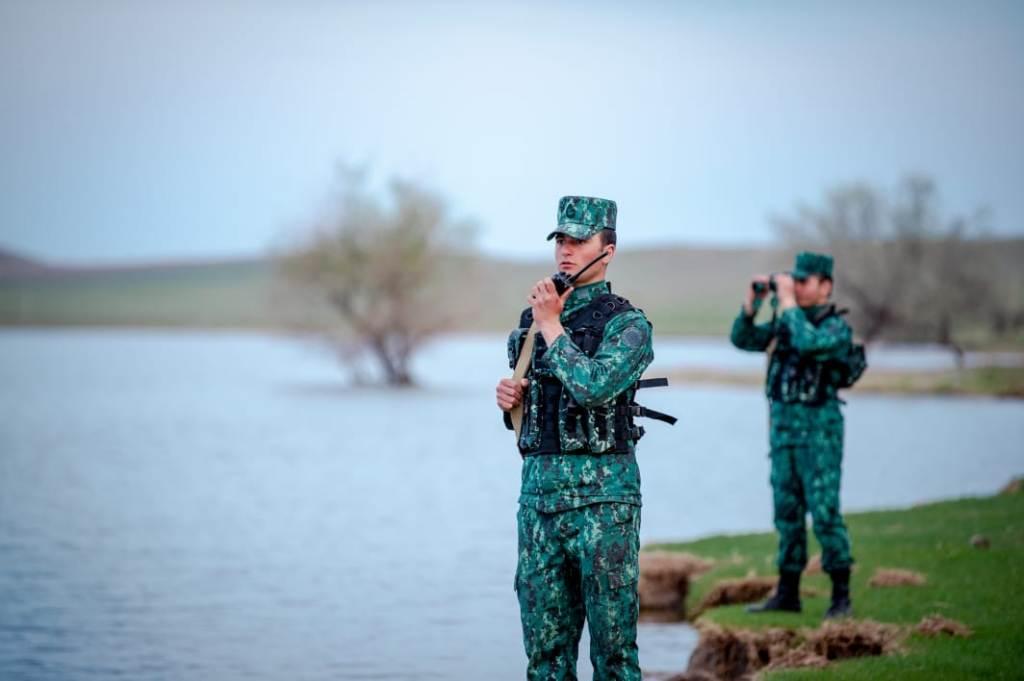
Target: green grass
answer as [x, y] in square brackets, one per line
[981, 588]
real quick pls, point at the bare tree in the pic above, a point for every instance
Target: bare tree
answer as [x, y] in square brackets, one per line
[381, 265]
[909, 272]
[1004, 309]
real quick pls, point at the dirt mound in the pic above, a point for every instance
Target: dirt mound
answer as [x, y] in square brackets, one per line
[660, 563]
[738, 654]
[733, 591]
[937, 625]
[728, 654]
[852, 638]
[798, 658]
[885, 577]
[665, 581]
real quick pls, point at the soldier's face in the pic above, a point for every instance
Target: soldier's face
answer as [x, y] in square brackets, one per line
[813, 290]
[571, 255]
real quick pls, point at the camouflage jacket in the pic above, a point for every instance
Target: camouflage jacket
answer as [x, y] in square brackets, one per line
[556, 482]
[800, 383]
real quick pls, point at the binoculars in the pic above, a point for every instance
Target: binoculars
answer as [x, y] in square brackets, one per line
[761, 287]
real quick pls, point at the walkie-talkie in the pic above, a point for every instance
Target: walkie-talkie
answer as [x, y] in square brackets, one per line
[563, 281]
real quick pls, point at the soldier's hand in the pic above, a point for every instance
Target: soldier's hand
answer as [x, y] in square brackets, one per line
[510, 393]
[751, 295]
[784, 290]
[546, 303]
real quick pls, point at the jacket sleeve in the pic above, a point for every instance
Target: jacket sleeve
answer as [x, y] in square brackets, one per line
[749, 336]
[829, 338]
[626, 350]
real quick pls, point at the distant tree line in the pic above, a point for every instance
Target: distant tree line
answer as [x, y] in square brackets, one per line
[909, 272]
[390, 266]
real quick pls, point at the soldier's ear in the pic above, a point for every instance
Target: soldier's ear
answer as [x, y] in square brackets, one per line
[610, 250]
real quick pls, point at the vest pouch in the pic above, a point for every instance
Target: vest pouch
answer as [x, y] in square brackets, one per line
[600, 425]
[810, 387]
[572, 431]
[852, 365]
[533, 417]
[515, 341]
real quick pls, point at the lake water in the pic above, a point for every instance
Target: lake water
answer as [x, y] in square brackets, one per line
[221, 506]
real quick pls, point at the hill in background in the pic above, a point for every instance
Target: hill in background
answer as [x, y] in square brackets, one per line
[13, 264]
[684, 290]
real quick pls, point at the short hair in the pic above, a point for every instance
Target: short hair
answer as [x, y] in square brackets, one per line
[607, 237]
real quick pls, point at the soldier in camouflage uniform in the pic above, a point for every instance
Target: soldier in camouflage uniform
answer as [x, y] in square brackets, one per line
[807, 340]
[579, 515]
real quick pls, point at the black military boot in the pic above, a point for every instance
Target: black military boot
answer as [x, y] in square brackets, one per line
[787, 595]
[841, 605]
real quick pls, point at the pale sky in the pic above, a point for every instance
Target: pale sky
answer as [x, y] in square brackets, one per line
[168, 130]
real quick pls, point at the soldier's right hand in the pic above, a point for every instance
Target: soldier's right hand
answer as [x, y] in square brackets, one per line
[748, 299]
[510, 393]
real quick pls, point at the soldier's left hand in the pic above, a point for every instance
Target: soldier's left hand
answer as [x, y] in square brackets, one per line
[546, 303]
[784, 289]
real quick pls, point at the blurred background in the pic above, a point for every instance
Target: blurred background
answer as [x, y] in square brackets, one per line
[258, 262]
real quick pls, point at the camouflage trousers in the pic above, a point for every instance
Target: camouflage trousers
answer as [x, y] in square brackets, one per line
[579, 564]
[805, 477]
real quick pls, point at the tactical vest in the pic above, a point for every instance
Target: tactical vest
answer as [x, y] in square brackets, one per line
[553, 422]
[794, 378]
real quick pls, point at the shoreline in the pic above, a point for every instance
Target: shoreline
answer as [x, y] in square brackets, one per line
[955, 563]
[1003, 382]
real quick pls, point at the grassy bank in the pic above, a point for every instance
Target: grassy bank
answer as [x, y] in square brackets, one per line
[982, 381]
[982, 588]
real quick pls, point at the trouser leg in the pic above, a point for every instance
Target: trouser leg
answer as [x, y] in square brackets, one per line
[790, 510]
[608, 545]
[820, 464]
[550, 598]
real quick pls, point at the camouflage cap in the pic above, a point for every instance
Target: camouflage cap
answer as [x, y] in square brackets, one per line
[581, 217]
[808, 263]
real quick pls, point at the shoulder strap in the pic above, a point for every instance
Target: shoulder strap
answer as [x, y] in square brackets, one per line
[830, 311]
[597, 313]
[526, 318]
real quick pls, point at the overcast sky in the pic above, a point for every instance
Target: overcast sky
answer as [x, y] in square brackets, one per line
[154, 130]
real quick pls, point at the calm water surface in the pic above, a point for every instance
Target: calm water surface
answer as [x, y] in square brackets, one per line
[186, 505]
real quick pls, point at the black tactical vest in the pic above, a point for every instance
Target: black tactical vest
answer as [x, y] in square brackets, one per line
[793, 378]
[553, 422]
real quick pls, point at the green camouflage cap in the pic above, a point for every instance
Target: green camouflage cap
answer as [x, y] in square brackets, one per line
[581, 217]
[808, 263]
